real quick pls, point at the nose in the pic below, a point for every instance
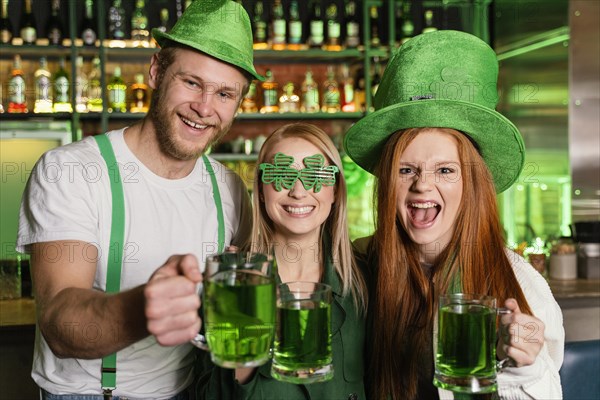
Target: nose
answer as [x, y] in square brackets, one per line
[424, 181]
[297, 191]
[204, 103]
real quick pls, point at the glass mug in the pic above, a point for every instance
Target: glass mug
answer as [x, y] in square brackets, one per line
[302, 351]
[238, 302]
[465, 359]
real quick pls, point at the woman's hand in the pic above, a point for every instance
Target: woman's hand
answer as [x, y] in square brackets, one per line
[522, 336]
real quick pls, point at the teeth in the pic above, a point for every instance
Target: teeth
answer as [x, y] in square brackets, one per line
[298, 210]
[193, 124]
[423, 205]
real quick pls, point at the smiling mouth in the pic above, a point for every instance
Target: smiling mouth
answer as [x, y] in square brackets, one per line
[193, 124]
[298, 210]
[425, 213]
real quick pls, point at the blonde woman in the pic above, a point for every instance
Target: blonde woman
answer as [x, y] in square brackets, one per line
[304, 221]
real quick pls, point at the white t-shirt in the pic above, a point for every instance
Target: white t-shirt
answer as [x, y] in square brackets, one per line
[68, 197]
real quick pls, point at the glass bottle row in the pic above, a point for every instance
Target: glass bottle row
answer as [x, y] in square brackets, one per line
[50, 92]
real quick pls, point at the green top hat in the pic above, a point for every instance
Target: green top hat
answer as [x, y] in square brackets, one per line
[219, 28]
[442, 79]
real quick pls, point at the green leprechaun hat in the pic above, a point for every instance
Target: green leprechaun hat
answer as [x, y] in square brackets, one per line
[219, 28]
[442, 79]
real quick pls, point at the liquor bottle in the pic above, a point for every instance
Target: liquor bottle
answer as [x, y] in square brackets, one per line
[116, 21]
[278, 26]
[140, 96]
[139, 26]
[294, 27]
[310, 94]
[1, 98]
[429, 27]
[334, 41]
[88, 30]
[6, 33]
[374, 20]
[289, 100]
[408, 28]
[348, 104]
[316, 30]
[28, 29]
[360, 99]
[163, 16]
[62, 99]
[54, 28]
[17, 101]
[269, 87]
[94, 93]
[249, 102]
[81, 87]
[331, 93]
[352, 26]
[117, 92]
[375, 80]
[259, 26]
[43, 88]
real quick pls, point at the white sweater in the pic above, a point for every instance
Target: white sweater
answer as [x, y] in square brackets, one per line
[539, 380]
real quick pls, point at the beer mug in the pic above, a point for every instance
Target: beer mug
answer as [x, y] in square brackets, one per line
[238, 302]
[465, 358]
[302, 351]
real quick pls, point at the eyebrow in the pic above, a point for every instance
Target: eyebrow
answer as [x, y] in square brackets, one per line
[220, 87]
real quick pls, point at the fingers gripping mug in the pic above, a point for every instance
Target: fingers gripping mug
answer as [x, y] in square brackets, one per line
[238, 300]
[465, 359]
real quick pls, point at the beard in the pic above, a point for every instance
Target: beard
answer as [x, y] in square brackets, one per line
[161, 117]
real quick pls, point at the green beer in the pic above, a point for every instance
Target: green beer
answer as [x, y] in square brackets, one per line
[303, 342]
[466, 348]
[239, 313]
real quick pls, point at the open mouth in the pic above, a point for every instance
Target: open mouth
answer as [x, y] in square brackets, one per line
[298, 210]
[193, 124]
[423, 214]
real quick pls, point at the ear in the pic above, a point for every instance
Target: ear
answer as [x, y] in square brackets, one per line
[153, 73]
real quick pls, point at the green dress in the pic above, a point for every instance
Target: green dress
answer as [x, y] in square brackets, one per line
[348, 340]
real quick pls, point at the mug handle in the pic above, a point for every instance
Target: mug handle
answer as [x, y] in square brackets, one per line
[200, 342]
[506, 362]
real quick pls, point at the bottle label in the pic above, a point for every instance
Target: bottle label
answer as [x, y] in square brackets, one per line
[295, 31]
[116, 96]
[331, 97]
[16, 90]
[260, 33]
[89, 37]
[43, 89]
[279, 31]
[29, 35]
[311, 99]
[61, 87]
[5, 36]
[348, 93]
[352, 34]
[270, 96]
[333, 30]
[316, 32]
[55, 36]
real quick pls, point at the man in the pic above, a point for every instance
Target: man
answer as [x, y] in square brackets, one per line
[176, 207]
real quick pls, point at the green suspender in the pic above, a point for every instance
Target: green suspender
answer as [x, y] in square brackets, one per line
[218, 204]
[115, 252]
[117, 234]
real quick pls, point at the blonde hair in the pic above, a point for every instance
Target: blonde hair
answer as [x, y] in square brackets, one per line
[336, 225]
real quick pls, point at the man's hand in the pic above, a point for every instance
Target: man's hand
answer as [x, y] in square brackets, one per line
[522, 336]
[172, 301]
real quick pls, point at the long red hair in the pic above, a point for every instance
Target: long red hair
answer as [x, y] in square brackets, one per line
[404, 300]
